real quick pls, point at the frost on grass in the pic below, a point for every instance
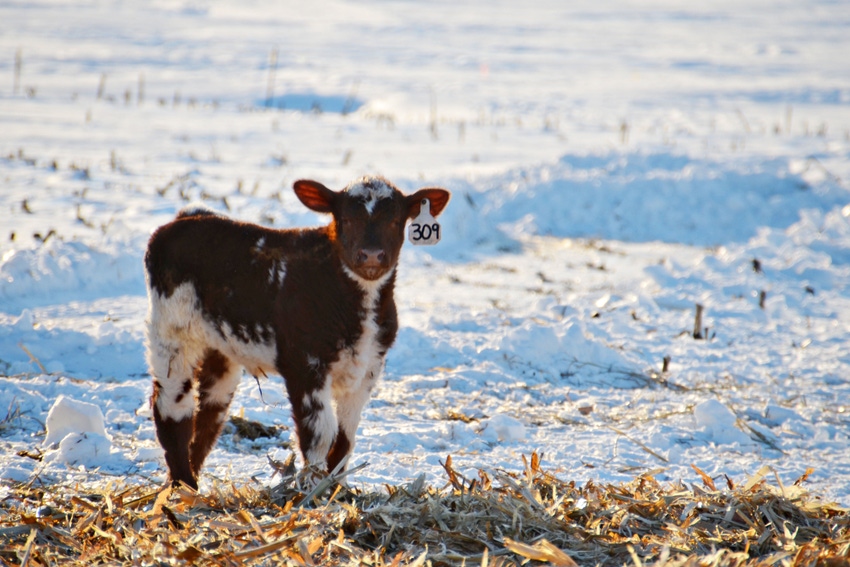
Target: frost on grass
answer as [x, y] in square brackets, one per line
[498, 518]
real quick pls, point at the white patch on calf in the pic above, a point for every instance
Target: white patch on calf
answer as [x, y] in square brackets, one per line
[350, 403]
[354, 374]
[179, 336]
[174, 350]
[371, 189]
[322, 424]
[193, 209]
[174, 401]
[222, 390]
[258, 357]
[371, 288]
[277, 271]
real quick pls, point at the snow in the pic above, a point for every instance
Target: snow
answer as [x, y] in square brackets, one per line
[67, 417]
[717, 422]
[612, 165]
[84, 449]
[502, 428]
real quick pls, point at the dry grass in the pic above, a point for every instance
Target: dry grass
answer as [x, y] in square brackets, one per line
[499, 518]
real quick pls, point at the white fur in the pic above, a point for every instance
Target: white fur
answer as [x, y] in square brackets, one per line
[222, 390]
[323, 424]
[257, 357]
[277, 272]
[174, 350]
[196, 209]
[350, 403]
[371, 189]
[179, 336]
[372, 288]
[353, 376]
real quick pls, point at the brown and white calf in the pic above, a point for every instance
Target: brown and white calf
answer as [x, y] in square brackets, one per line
[312, 305]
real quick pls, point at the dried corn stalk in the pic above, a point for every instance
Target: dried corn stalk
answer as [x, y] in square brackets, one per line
[498, 518]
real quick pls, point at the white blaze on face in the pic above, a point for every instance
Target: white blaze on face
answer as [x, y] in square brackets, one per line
[371, 190]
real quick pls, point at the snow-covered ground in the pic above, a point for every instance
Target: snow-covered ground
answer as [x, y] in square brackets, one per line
[613, 164]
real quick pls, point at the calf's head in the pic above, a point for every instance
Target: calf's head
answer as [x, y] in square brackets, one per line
[368, 219]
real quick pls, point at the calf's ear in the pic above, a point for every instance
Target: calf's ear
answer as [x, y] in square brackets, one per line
[314, 195]
[437, 197]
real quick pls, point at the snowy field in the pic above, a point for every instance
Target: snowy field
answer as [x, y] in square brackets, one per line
[612, 164]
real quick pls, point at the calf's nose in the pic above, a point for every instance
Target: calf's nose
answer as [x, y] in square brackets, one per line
[368, 257]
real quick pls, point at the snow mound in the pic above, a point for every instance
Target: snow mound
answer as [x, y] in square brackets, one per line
[70, 417]
[632, 196]
[558, 345]
[718, 423]
[87, 449]
[78, 428]
[502, 428]
[59, 267]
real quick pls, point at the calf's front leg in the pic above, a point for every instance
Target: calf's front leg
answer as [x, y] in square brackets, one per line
[349, 407]
[315, 422]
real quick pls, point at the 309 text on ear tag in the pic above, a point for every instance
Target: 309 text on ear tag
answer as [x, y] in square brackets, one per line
[424, 229]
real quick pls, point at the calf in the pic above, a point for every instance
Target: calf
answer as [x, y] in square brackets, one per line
[313, 305]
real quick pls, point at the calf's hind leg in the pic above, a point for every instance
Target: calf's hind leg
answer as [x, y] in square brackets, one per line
[218, 377]
[173, 403]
